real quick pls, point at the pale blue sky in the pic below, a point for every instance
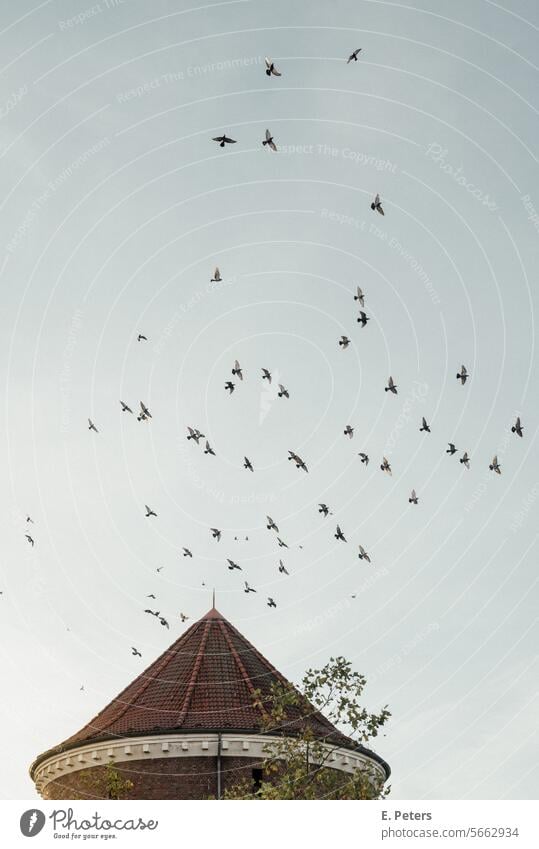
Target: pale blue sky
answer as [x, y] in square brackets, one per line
[116, 206]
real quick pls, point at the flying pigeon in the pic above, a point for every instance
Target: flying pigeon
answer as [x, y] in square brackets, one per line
[269, 141]
[271, 526]
[364, 458]
[186, 552]
[339, 535]
[463, 375]
[495, 466]
[517, 427]
[353, 56]
[159, 568]
[208, 449]
[152, 612]
[194, 434]
[144, 413]
[385, 466]
[271, 603]
[363, 554]
[391, 387]
[247, 464]
[281, 543]
[91, 426]
[424, 425]
[164, 622]
[465, 460]
[232, 565]
[248, 589]
[413, 498]
[323, 508]
[125, 407]
[359, 296]
[149, 512]
[349, 431]
[183, 617]
[230, 386]
[297, 460]
[30, 540]
[237, 370]
[452, 449]
[377, 205]
[283, 392]
[216, 276]
[142, 338]
[282, 568]
[344, 342]
[216, 533]
[135, 652]
[29, 519]
[266, 375]
[271, 69]
[151, 595]
[363, 318]
[224, 139]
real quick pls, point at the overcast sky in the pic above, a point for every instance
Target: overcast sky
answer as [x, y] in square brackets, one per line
[117, 205]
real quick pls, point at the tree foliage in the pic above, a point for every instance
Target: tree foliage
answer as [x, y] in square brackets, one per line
[297, 763]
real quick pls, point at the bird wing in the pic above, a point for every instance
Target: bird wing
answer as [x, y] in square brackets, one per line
[218, 138]
[268, 135]
[229, 141]
[268, 62]
[413, 494]
[273, 146]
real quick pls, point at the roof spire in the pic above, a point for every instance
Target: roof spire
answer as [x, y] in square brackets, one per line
[213, 600]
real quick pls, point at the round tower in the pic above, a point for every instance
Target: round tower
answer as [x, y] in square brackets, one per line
[185, 728]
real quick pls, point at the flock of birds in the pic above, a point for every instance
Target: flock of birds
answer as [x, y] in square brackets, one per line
[197, 436]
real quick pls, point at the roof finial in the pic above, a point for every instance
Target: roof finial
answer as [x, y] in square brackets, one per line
[213, 599]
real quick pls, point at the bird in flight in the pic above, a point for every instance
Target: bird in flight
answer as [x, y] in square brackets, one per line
[282, 568]
[247, 464]
[91, 426]
[232, 565]
[195, 434]
[324, 509]
[186, 552]
[237, 370]
[413, 498]
[377, 205]
[183, 617]
[349, 431]
[344, 342]
[30, 540]
[151, 595]
[269, 141]
[363, 318]
[363, 554]
[517, 427]
[495, 466]
[339, 534]
[271, 68]
[149, 511]
[29, 519]
[135, 652]
[248, 589]
[266, 375]
[216, 276]
[463, 375]
[224, 139]
[230, 386]
[385, 466]
[216, 533]
[364, 458]
[271, 603]
[281, 543]
[271, 526]
[208, 449]
[164, 622]
[424, 425]
[354, 56]
[142, 338]
[153, 612]
[125, 407]
[465, 460]
[144, 413]
[298, 461]
[452, 448]
[391, 387]
[283, 392]
[159, 568]
[359, 296]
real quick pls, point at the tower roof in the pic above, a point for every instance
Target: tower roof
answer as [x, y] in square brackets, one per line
[205, 681]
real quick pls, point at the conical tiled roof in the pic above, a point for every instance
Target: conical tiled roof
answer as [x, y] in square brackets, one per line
[204, 681]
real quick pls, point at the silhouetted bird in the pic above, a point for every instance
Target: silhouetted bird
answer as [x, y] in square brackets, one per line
[452, 448]
[266, 375]
[135, 652]
[164, 622]
[363, 318]
[208, 449]
[271, 526]
[495, 466]
[269, 141]
[364, 458]
[363, 554]
[271, 68]
[424, 425]
[463, 375]
[271, 603]
[224, 139]
[517, 427]
[385, 466]
[144, 413]
[377, 205]
[230, 386]
[216, 276]
[282, 568]
[248, 589]
[298, 461]
[281, 543]
[30, 540]
[283, 392]
[339, 535]
[183, 617]
[237, 370]
[413, 498]
[354, 56]
[141, 338]
[216, 533]
[186, 552]
[91, 426]
[195, 434]
[125, 408]
[391, 387]
[359, 296]
[465, 460]
[349, 431]
[149, 511]
[344, 342]
[247, 464]
[232, 565]
[323, 508]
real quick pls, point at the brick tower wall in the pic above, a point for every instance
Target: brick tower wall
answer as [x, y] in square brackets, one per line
[159, 778]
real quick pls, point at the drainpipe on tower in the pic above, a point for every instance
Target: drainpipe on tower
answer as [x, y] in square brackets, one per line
[219, 765]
